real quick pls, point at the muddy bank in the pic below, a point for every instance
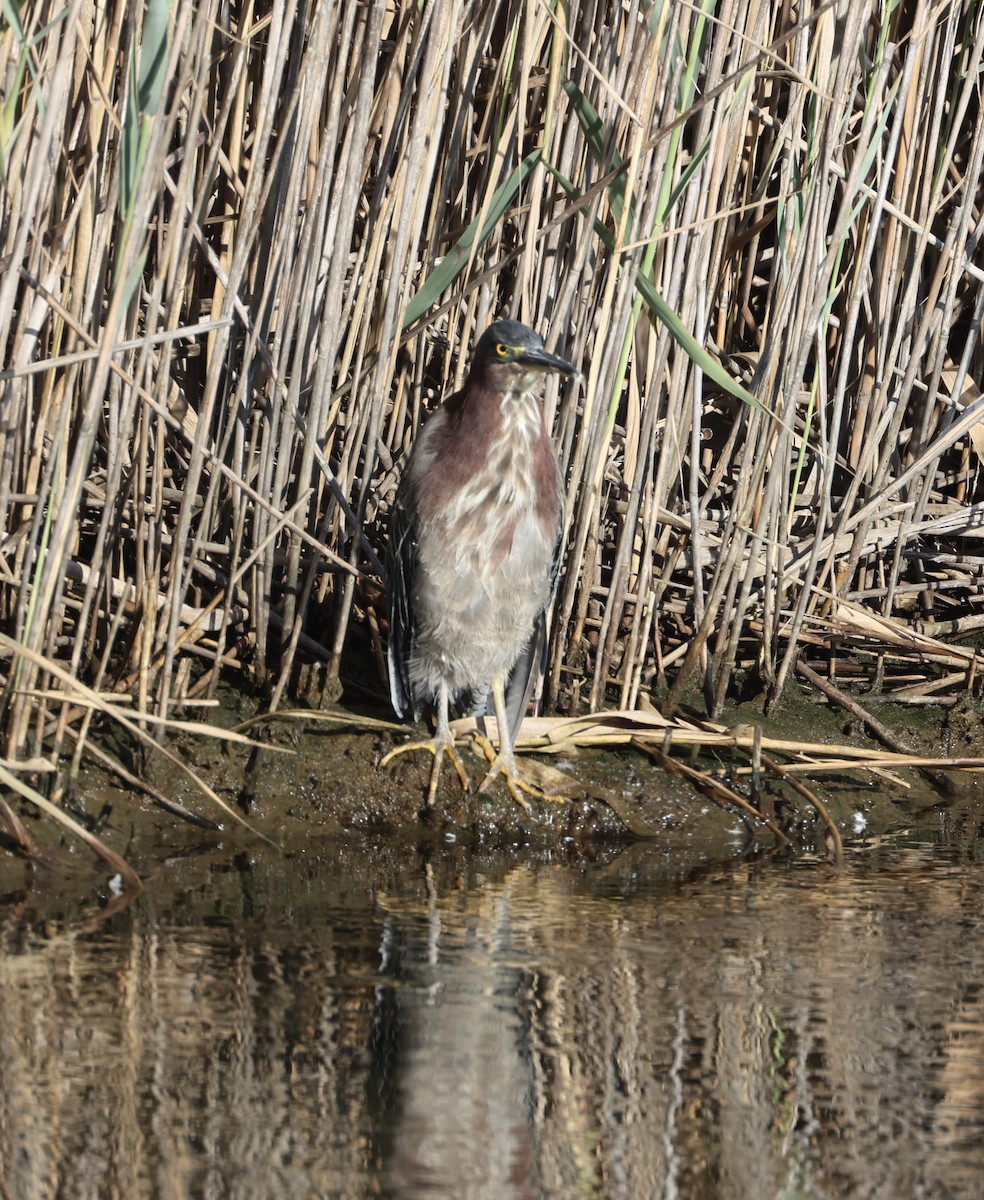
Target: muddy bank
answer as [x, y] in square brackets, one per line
[312, 778]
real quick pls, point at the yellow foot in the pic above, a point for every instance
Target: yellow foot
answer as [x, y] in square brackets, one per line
[514, 781]
[438, 747]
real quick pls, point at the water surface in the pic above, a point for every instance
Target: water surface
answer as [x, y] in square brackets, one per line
[410, 1022]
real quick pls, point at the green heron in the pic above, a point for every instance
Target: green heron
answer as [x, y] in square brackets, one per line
[474, 550]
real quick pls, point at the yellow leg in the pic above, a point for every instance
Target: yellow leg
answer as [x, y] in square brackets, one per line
[440, 744]
[504, 763]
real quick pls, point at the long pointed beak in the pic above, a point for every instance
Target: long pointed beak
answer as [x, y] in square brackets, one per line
[548, 362]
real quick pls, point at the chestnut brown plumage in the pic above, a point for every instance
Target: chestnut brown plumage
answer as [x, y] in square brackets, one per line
[473, 551]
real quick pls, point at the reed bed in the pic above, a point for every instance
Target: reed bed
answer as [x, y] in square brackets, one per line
[246, 247]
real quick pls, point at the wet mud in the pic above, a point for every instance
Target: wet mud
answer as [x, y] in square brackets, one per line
[315, 778]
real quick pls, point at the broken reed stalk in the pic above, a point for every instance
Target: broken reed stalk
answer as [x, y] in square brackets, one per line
[939, 781]
[754, 233]
[714, 788]
[835, 842]
[763, 808]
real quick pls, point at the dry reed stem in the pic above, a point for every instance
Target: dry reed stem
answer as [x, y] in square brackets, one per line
[226, 308]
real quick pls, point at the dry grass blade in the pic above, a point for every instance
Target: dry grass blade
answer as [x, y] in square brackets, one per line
[566, 735]
[77, 691]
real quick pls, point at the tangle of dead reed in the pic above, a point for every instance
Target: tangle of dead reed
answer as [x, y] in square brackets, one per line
[245, 247]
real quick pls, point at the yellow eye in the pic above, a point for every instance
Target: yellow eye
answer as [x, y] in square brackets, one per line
[502, 349]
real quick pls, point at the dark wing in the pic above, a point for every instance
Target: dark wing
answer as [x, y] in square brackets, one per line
[522, 678]
[401, 565]
[533, 661]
